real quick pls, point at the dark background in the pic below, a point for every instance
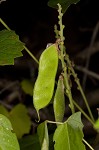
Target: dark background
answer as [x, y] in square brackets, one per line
[34, 22]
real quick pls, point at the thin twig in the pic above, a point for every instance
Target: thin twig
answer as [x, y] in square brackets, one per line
[53, 122]
[79, 86]
[88, 72]
[83, 54]
[27, 50]
[95, 32]
[9, 86]
[5, 25]
[2, 1]
[81, 110]
[88, 144]
[6, 105]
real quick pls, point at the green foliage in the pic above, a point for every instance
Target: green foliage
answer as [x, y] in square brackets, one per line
[19, 118]
[27, 87]
[30, 142]
[69, 135]
[96, 125]
[10, 47]
[8, 139]
[75, 120]
[4, 122]
[59, 101]
[64, 3]
[43, 136]
[44, 86]
[4, 111]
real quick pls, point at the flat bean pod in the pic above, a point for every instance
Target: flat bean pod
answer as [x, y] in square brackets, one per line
[44, 85]
[59, 101]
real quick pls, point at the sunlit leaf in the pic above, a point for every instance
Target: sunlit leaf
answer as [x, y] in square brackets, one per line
[8, 140]
[64, 3]
[43, 136]
[10, 47]
[4, 122]
[20, 120]
[75, 120]
[69, 136]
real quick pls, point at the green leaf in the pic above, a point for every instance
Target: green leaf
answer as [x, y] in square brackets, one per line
[59, 101]
[75, 120]
[27, 86]
[64, 3]
[68, 135]
[10, 47]
[4, 111]
[4, 122]
[8, 140]
[30, 142]
[20, 120]
[96, 125]
[43, 136]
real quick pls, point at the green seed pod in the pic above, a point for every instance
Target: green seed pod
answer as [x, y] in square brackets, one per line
[44, 86]
[59, 101]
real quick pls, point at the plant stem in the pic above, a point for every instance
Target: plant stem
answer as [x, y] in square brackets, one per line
[66, 82]
[86, 116]
[53, 122]
[79, 86]
[88, 144]
[79, 108]
[6, 26]
[85, 100]
[30, 54]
